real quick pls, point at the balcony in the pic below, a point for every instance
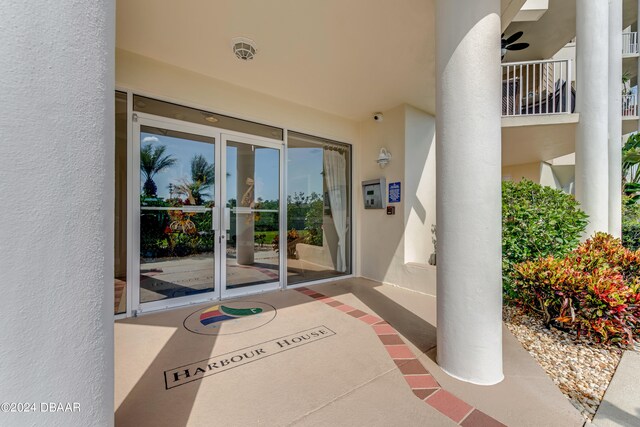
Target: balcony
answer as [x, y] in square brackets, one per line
[537, 88]
[629, 113]
[538, 102]
[630, 106]
[630, 44]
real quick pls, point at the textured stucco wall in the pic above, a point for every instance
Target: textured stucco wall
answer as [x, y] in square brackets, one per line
[395, 249]
[530, 171]
[381, 240]
[56, 189]
[420, 188]
[142, 74]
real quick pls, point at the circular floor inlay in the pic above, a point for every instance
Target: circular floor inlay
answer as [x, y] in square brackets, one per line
[226, 318]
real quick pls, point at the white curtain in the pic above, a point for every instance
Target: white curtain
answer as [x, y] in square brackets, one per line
[335, 175]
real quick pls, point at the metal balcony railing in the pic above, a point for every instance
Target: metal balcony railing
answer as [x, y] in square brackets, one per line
[630, 105]
[537, 87]
[629, 43]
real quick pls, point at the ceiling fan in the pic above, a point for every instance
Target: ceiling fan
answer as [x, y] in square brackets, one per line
[509, 43]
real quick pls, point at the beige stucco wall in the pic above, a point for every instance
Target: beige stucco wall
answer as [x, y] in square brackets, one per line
[385, 255]
[547, 177]
[568, 52]
[159, 79]
[557, 173]
[419, 186]
[530, 171]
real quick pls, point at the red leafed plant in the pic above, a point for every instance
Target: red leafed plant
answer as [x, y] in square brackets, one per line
[595, 290]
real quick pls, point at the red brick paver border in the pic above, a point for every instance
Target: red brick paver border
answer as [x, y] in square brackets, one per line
[417, 376]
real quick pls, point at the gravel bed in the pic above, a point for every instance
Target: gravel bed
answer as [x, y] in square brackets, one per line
[581, 370]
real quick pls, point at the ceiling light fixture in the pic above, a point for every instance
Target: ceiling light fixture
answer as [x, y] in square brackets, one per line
[211, 119]
[245, 49]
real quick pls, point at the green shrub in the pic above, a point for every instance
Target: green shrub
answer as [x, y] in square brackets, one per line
[595, 290]
[537, 221]
[631, 224]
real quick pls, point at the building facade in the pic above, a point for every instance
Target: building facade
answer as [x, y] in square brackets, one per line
[254, 140]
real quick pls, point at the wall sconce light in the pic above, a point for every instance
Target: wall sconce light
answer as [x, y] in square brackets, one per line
[383, 158]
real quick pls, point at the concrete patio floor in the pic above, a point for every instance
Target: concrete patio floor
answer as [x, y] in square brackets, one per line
[353, 352]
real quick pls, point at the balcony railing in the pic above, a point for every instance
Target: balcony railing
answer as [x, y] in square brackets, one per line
[629, 43]
[630, 105]
[537, 87]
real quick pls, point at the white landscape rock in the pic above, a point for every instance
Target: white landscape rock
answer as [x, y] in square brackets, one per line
[581, 370]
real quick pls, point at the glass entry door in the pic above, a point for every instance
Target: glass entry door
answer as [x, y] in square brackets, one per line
[177, 218]
[252, 222]
[206, 214]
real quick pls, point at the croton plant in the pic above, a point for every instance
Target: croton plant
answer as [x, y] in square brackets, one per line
[594, 290]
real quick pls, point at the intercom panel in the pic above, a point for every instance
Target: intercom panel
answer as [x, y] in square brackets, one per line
[373, 193]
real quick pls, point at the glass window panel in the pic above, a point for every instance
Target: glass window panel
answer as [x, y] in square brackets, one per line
[176, 205]
[318, 208]
[252, 215]
[193, 115]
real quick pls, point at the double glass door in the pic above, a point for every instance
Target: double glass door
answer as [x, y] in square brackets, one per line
[206, 214]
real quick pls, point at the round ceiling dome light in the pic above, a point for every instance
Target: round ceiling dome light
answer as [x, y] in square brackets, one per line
[244, 48]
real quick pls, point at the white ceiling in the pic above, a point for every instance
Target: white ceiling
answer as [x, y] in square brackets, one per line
[349, 58]
[533, 139]
[555, 29]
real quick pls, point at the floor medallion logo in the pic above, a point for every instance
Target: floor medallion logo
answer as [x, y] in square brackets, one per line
[230, 318]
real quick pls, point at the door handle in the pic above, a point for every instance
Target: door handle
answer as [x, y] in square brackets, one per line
[214, 219]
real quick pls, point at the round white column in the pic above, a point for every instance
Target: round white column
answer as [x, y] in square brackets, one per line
[615, 117]
[57, 192]
[592, 100]
[468, 200]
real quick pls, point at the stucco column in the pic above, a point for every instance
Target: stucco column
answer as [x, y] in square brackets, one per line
[468, 201]
[57, 192]
[615, 117]
[245, 185]
[592, 103]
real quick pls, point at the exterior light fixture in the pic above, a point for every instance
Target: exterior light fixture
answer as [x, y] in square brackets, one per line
[245, 49]
[383, 158]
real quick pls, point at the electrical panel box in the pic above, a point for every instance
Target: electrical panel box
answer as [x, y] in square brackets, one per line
[374, 193]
